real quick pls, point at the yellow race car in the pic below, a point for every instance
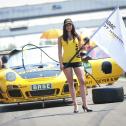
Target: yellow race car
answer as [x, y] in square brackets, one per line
[33, 74]
[100, 68]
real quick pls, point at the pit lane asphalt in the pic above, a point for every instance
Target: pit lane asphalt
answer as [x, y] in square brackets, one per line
[57, 113]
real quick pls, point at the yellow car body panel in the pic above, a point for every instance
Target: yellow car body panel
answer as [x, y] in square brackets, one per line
[23, 88]
[93, 66]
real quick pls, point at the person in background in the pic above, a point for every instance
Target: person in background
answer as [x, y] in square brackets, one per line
[3, 61]
[68, 44]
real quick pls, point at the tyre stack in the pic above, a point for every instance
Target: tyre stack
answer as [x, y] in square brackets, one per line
[107, 95]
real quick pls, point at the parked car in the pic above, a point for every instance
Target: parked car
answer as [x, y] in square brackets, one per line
[33, 74]
[100, 68]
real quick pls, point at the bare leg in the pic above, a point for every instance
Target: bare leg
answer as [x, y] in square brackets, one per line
[80, 75]
[69, 75]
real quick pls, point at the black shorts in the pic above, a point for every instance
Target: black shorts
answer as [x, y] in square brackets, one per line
[73, 65]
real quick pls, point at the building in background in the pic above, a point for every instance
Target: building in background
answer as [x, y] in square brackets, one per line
[24, 22]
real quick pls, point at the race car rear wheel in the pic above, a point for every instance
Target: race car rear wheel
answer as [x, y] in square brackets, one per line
[107, 95]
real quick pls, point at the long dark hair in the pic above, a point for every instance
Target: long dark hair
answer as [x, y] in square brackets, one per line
[73, 32]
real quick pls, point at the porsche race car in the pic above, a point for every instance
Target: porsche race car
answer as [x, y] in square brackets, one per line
[33, 74]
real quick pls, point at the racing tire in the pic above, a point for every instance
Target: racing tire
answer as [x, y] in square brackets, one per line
[107, 95]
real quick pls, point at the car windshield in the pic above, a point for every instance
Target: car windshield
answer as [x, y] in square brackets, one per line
[34, 56]
[97, 53]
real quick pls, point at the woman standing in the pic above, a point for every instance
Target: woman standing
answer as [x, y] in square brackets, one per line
[70, 42]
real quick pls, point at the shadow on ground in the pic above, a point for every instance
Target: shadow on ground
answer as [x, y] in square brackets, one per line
[33, 105]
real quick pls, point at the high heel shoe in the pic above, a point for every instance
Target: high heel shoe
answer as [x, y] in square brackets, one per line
[86, 109]
[76, 110]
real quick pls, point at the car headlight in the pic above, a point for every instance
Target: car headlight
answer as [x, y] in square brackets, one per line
[10, 76]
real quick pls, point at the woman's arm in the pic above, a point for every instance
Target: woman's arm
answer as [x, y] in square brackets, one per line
[81, 43]
[60, 53]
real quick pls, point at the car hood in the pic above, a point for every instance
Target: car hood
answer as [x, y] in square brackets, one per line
[38, 73]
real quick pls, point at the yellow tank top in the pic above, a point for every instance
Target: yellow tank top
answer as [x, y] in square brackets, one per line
[69, 50]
